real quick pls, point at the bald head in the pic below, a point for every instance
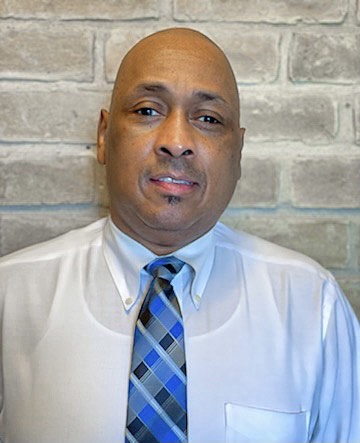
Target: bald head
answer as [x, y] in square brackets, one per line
[187, 45]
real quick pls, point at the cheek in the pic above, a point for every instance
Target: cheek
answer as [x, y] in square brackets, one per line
[120, 167]
[227, 173]
[125, 152]
[227, 164]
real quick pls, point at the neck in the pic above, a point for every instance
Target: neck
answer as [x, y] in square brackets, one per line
[158, 241]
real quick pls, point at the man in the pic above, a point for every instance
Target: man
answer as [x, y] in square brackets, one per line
[271, 345]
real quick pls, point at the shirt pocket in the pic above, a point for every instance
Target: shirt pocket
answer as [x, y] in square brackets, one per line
[246, 424]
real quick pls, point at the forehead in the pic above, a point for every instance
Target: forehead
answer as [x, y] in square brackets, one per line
[183, 65]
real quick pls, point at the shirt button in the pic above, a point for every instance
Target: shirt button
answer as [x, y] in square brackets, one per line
[128, 301]
[197, 298]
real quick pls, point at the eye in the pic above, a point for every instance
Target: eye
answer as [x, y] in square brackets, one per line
[209, 119]
[149, 112]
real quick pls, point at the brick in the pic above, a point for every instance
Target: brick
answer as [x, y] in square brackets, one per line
[351, 288]
[46, 55]
[259, 183]
[2, 182]
[325, 58]
[117, 45]
[326, 182]
[266, 11]
[324, 240]
[47, 178]
[357, 120]
[50, 115]
[255, 58]
[310, 118]
[25, 229]
[80, 9]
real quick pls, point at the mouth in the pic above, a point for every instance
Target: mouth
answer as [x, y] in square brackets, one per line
[177, 181]
[176, 186]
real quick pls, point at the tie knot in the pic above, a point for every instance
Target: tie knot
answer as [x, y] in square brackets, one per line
[165, 267]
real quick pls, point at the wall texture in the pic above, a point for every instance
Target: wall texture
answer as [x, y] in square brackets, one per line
[297, 64]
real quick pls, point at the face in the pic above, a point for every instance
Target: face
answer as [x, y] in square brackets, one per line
[171, 142]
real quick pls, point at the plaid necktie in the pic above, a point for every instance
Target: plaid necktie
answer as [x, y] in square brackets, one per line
[157, 388]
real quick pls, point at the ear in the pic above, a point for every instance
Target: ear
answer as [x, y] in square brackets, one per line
[241, 134]
[101, 136]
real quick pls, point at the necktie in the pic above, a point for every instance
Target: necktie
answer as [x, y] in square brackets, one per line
[157, 388]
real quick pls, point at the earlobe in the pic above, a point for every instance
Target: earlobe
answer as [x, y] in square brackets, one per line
[101, 136]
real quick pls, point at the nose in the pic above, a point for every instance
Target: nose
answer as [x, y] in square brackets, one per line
[175, 137]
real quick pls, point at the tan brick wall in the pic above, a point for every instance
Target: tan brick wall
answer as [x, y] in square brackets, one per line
[298, 68]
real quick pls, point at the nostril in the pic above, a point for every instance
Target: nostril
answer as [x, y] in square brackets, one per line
[165, 150]
[176, 151]
[187, 152]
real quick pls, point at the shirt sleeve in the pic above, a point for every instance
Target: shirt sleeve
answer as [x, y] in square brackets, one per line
[338, 419]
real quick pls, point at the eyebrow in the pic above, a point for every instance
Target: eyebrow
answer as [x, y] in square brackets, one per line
[151, 87]
[210, 96]
[200, 95]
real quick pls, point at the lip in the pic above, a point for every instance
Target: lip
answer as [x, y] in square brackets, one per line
[174, 184]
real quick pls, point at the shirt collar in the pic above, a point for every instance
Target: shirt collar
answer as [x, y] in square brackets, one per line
[126, 259]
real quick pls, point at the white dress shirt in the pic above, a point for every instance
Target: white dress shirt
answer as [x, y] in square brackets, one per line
[272, 346]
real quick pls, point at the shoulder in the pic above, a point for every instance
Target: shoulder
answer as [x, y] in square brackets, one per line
[254, 249]
[279, 274]
[72, 242]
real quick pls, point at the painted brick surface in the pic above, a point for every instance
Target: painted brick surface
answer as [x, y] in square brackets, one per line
[44, 54]
[80, 9]
[309, 118]
[267, 11]
[46, 179]
[326, 183]
[50, 115]
[312, 58]
[357, 120]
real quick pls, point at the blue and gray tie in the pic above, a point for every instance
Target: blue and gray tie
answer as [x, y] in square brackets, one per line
[157, 388]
